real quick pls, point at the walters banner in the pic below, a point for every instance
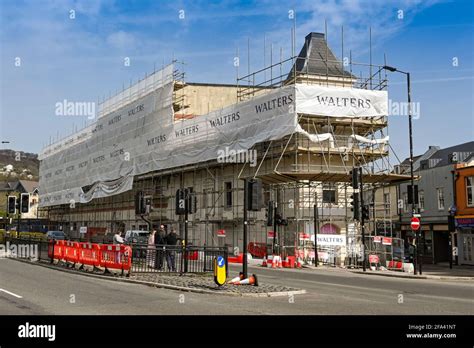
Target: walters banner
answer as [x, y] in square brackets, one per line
[330, 239]
[340, 101]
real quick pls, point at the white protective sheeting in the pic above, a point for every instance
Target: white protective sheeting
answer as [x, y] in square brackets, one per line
[317, 138]
[340, 101]
[142, 137]
[359, 138]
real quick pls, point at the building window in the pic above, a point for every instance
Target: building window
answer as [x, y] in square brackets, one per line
[421, 200]
[386, 203]
[329, 194]
[440, 194]
[405, 201]
[228, 194]
[469, 190]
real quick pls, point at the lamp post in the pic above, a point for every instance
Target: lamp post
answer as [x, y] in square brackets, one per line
[412, 177]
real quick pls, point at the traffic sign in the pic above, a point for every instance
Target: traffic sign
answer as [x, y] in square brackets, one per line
[220, 273]
[220, 261]
[415, 223]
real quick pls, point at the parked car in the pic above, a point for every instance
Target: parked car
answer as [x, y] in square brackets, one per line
[56, 235]
[137, 237]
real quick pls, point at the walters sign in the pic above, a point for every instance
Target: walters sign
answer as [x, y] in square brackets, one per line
[340, 101]
[330, 239]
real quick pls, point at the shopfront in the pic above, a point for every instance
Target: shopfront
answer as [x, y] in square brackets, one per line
[465, 234]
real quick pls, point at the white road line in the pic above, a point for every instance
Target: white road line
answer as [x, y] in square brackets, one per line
[11, 293]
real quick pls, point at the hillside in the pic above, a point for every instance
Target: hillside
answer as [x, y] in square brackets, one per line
[18, 165]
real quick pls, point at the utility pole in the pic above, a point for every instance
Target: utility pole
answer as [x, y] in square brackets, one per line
[186, 237]
[416, 259]
[362, 220]
[316, 230]
[244, 263]
[275, 226]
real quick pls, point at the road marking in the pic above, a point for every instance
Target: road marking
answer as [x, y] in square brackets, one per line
[11, 293]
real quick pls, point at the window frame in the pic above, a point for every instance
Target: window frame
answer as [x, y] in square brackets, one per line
[470, 188]
[438, 196]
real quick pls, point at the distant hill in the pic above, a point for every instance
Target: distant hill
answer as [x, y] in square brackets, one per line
[18, 165]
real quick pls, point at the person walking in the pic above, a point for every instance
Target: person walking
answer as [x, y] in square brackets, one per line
[159, 245]
[171, 240]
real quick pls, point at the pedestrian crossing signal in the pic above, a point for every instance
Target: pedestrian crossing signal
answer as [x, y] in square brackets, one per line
[25, 203]
[11, 205]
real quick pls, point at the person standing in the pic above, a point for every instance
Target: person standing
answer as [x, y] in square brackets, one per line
[159, 245]
[118, 240]
[171, 240]
[150, 253]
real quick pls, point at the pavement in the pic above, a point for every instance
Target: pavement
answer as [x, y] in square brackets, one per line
[27, 288]
[430, 271]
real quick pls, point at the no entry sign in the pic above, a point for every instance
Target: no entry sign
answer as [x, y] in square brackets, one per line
[415, 223]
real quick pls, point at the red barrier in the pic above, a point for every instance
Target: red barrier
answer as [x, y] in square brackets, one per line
[89, 254]
[116, 257]
[71, 252]
[395, 264]
[236, 259]
[126, 251]
[258, 250]
[58, 250]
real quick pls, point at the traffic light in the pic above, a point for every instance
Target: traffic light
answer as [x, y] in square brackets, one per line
[355, 177]
[410, 194]
[270, 212]
[365, 212]
[11, 205]
[140, 208]
[25, 203]
[191, 201]
[280, 221]
[355, 205]
[180, 202]
[254, 195]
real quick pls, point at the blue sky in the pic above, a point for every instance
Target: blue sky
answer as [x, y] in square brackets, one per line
[82, 59]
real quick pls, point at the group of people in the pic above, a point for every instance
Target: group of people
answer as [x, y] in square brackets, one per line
[161, 245]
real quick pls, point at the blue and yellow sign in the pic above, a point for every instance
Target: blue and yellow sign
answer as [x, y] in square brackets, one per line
[220, 273]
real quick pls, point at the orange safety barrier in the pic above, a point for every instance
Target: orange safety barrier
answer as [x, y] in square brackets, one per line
[395, 264]
[126, 251]
[236, 259]
[71, 252]
[58, 250]
[257, 250]
[116, 257]
[89, 254]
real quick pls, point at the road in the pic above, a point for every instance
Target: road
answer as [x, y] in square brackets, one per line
[329, 291]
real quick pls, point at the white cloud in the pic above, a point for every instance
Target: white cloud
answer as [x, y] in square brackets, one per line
[122, 40]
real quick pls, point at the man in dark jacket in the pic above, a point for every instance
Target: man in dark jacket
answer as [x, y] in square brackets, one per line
[159, 244]
[171, 240]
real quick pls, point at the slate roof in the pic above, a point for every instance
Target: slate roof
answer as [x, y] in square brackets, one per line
[24, 186]
[317, 50]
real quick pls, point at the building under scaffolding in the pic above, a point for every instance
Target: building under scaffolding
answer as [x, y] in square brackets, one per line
[324, 120]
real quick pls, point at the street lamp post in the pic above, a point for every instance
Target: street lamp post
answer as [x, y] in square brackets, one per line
[412, 177]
